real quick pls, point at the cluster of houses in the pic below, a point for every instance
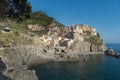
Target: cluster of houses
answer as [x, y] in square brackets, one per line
[81, 29]
[35, 27]
[57, 41]
[72, 33]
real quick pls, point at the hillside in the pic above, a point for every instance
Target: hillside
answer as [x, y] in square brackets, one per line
[41, 39]
[39, 22]
[44, 32]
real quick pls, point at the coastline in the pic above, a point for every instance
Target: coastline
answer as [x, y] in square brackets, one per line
[19, 61]
[76, 44]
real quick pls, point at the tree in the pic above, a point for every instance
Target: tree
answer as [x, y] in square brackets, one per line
[16, 7]
[29, 9]
[4, 8]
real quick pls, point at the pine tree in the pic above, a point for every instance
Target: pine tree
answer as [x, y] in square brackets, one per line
[21, 7]
[16, 8]
[4, 8]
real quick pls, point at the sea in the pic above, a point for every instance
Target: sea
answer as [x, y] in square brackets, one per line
[100, 67]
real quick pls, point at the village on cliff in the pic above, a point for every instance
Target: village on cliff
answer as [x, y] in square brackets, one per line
[55, 37]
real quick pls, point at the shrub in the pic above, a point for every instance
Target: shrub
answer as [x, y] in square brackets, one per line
[16, 33]
[7, 50]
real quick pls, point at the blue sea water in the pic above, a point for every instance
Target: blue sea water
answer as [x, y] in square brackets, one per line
[115, 46]
[100, 67]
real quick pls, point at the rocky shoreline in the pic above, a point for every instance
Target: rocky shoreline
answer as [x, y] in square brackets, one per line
[16, 69]
[19, 60]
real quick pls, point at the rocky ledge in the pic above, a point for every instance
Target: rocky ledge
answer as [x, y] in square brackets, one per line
[19, 60]
[15, 69]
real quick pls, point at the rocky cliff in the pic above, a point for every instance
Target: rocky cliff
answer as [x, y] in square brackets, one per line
[15, 68]
[76, 41]
[71, 45]
[27, 44]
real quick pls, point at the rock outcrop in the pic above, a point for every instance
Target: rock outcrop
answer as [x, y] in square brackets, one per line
[15, 68]
[112, 52]
[3, 67]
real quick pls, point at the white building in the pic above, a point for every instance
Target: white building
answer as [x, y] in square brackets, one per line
[93, 32]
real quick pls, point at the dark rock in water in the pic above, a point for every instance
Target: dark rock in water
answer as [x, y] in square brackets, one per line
[117, 55]
[110, 52]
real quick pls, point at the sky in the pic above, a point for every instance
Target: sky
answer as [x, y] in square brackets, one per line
[104, 15]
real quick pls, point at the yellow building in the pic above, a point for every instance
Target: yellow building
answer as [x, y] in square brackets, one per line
[86, 28]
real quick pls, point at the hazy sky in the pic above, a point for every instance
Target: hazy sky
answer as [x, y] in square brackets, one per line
[104, 15]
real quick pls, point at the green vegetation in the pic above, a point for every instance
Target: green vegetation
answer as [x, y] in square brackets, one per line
[4, 8]
[17, 28]
[11, 39]
[96, 40]
[20, 27]
[88, 33]
[41, 18]
[15, 8]
[19, 15]
[7, 50]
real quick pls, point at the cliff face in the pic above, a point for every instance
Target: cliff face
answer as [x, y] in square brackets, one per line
[83, 38]
[87, 39]
[15, 67]
[86, 47]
